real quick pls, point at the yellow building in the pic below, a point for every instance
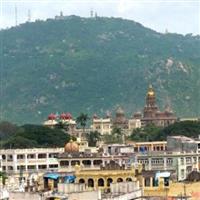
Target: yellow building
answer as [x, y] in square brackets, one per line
[149, 146]
[110, 173]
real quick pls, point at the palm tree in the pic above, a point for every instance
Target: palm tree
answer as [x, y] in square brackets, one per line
[82, 120]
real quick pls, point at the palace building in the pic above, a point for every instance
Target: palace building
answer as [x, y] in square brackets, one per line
[152, 113]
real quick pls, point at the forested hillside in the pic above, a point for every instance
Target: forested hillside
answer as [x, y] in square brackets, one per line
[92, 65]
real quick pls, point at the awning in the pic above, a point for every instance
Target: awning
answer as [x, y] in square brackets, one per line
[162, 175]
[52, 176]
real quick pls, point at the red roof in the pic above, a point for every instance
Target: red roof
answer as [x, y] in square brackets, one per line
[68, 115]
[63, 116]
[52, 116]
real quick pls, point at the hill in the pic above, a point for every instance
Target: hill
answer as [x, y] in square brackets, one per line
[92, 65]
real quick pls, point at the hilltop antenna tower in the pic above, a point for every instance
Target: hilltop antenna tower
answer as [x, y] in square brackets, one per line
[16, 15]
[91, 13]
[29, 15]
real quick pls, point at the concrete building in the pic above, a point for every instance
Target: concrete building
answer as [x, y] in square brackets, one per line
[183, 144]
[148, 146]
[25, 164]
[181, 162]
[133, 124]
[102, 125]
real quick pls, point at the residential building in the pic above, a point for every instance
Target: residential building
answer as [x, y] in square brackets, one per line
[183, 144]
[181, 162]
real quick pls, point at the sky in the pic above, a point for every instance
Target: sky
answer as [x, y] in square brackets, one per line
[175, 16]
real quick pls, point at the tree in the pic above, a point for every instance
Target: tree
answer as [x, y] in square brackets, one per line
[115, 136]
[93, 137]
[29, 136]
[118, 134]
[186, 128]
[3, 176]
[7, 129]
[82, 120]
[148, 133]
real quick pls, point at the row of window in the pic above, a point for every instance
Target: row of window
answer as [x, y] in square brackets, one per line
[84, 162]
[30, 167]
[30, 156]
[156, 161]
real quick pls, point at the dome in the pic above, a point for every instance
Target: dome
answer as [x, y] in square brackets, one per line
[120, 111]
[68, 116]
[95, 116]
[150, 91]
[71, 147]
[108, 114]
[51, 116]
[63, 116]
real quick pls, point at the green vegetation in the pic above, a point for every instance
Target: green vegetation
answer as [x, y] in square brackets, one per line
[30, 136]
[92, 65]
[148, 133]
[93, 137]
[3, 177]
[116, 136]
[153, 133]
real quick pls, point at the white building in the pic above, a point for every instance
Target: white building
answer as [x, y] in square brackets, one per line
[181, 162]
[102, 125]
[133, 124]
[20, 164]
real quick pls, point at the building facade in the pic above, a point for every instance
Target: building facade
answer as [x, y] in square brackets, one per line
[182, 163]
[152, 114]
[102, 125]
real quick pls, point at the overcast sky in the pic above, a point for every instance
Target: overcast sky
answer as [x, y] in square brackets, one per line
[180, 16]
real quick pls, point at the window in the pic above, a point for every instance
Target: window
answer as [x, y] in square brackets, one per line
[53, 166]
[97, 162]
[182, 161]
[10, 168]
[42, 155]
[182, 173]
[64, 163]
[42, 166]
[169, 161]
[20, 156]
[147, 182]
[31, 167]
[188, 160]
[75, 162]
[10, 158]
[21, 167]
[166, 182]
[53, 155]
[155, 182]
[31, 156]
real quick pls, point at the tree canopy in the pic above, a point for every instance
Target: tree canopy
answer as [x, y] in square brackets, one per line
[153, 133]
[29, 136]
